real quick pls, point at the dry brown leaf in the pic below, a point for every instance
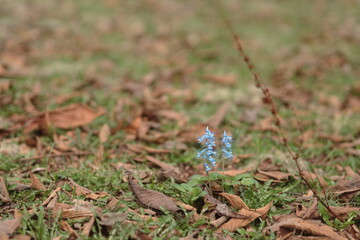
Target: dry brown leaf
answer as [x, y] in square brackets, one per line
[313, 176]
[352, 151]
[333, 137]
[164, 166]
[312, 211]
[71, 116]
[104, 133]
[223, 209]
[309, 227]
[66, 227]
[350, 172]
[138, 148]
[227, 80]
[168, 170]
[80, 190]
[308, 212]
[5, 85]
[232, 173]
[4, 194]
[152, 198]
[173, 115]
[109, 219]
[21, 237]
[278, 175]
[69, 211]
[190, 134]
[36, 184]
[8, 226]
[52, 199]
[347, 186]
[251, 214]
[235, 201]
[87, 227]
[265, 125]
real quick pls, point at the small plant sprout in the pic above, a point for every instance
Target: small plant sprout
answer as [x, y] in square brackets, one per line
[226, 149]
[208, 153]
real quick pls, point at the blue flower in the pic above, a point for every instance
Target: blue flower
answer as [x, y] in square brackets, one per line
[226, 150]
[208, 153]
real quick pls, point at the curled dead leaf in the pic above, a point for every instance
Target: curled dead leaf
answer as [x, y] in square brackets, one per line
[87, 227]
[227, 80]
[36, 184]
[71, 116]
[104, 133]
[347, 189]
[278, 175]
[8, 226]
[223, 209]
[4, 194]
[151, 198]
[309, 227]
[251, 215]
[80, 190]
[109, 219]
[235, 201]
[138, 148]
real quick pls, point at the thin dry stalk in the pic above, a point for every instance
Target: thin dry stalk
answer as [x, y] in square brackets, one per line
[268, 101]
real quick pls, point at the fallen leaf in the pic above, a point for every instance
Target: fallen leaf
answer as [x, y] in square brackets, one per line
[152, 198]
[71, 116]
[69, 211]
[173, 115]
[138, 148]
[52, 199]
[347, 186]
[66, 227]
[4, 194]
[164, 166]
[227, 80]
[36, 184]
[278, 175]
[80, 190]
[21, 237]
[168, 170]
[333, 137]
[310, 212]
[109, 219]
[87, 227]
[223, 209]
[355, 152]
[104, 133]
[8, 226]
[5, 85]
[251, 215]
[234, 200]
[350, 172]
[308, 227]
[314, 176]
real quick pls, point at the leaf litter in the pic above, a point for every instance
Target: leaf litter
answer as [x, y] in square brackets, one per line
[146, 128]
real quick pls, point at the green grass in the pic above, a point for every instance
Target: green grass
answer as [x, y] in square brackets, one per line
[114, 42]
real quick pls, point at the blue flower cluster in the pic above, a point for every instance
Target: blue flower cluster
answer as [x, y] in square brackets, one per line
[208, 152]
[227, 152]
